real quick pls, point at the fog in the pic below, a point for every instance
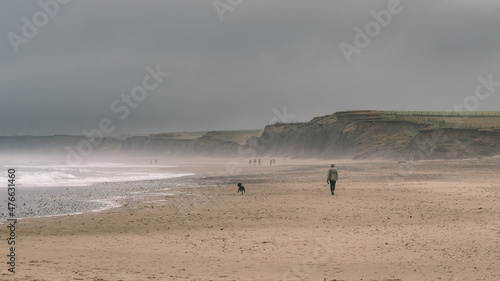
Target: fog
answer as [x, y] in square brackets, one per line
[165, 66]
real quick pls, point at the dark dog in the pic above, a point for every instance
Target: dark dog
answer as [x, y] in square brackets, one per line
[241, 188]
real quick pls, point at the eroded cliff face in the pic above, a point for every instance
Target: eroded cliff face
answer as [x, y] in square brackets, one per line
[373, 134]
[351, 134]
[213, 144]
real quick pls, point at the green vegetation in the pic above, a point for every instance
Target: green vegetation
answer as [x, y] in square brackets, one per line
[237, 136]
[181, 135]
[444, 119]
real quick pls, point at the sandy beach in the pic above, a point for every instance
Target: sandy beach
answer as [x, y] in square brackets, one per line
[428, 220]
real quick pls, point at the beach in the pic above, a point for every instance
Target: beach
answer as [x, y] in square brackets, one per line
[426, 220]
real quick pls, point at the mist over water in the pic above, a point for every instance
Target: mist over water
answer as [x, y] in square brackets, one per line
[47, 187]
[54, 174]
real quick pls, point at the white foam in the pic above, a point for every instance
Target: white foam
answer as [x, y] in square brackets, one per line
[54, 174]
[109, 204]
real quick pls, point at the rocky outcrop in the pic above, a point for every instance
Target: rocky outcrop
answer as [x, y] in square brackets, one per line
[350, 134]
[374, 134]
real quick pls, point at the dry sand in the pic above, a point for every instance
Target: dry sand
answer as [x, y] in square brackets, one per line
[433, 220]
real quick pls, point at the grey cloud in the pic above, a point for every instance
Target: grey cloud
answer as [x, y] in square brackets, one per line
[231, 74]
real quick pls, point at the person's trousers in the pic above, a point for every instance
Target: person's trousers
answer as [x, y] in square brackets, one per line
[332, 186]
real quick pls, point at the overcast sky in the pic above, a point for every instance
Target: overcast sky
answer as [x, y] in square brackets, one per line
[231, 62]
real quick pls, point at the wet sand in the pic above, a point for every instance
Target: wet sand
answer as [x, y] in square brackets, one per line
[432, 220]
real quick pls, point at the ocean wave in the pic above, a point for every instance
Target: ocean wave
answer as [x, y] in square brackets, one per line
[53, 174]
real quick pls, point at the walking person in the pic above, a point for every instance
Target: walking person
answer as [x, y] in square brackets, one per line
[332, 178]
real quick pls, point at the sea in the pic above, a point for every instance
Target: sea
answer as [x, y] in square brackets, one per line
[45, 188]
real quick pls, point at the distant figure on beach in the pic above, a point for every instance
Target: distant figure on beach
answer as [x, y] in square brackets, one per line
[271, 162]
[250, 162]
[156, 161]
[241, 188]
[254, 162]
[274, 161]
[332, 178]
[259, 161]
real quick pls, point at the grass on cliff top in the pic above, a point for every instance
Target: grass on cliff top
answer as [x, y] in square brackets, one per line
[463, 114]
[237, 136]
[441, 119]
[181, 135]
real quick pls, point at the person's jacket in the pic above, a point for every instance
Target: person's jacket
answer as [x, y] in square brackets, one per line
[332, 175]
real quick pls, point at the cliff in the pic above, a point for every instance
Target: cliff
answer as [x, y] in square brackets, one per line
[376, 134]
[350, 134]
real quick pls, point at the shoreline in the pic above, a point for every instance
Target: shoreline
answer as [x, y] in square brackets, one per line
[196, 173]
[45, 201]
[439, 223]
[116, 192]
